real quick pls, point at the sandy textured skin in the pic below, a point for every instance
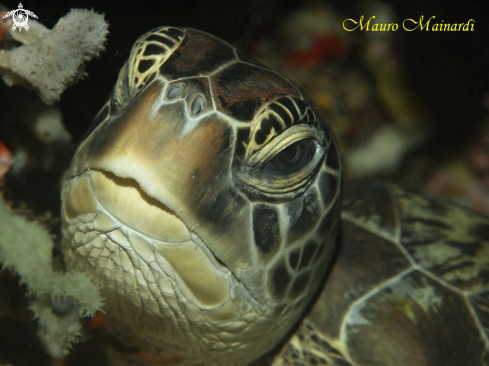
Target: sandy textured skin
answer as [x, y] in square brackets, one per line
[179, 205]
[410, 285]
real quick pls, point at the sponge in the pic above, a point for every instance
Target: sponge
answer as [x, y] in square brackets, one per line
[57, 60]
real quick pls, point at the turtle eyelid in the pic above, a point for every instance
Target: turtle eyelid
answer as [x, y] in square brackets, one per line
[198, 105]
[174, 91]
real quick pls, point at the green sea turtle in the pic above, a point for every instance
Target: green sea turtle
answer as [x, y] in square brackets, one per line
[207, 201]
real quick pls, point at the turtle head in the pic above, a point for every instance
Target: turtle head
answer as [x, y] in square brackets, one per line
[204, 198]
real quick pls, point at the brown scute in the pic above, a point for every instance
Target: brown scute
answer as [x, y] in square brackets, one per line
[328, 184]
[198, 55]
[329, 220]
[145, 65]
[480, 304]
[307, 254]
[242, 140]
[403, 316]
[260, 137]
[279, 309]
[196, 47]
[294, 258]
[370, 200]
[242, 89]
[266, 228]
[364, 262]
[153, 49]
[308, 218]
[332, 160]
[221, 211]
[416, 321]
[299, 285]
[279, 279]
[446, 239]
[480, 230]
[207, 158]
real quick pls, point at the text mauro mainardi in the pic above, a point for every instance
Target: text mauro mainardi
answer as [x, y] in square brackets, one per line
[408, 25]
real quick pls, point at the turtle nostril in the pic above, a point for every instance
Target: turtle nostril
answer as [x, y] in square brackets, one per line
[174, 91]
[198, 105]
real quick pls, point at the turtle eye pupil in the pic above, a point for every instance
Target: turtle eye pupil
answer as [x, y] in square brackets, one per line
[292, 154]
[291, 159]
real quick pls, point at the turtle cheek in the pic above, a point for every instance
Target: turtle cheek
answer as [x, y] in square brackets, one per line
[96, 192]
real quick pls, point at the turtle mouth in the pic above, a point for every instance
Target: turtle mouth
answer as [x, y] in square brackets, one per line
[143, 213]
[154, 232]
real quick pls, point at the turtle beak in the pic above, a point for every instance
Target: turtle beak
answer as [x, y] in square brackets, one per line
[159, 146]
[177, 161]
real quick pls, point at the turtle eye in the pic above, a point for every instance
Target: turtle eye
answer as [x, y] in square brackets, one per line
[291, 159]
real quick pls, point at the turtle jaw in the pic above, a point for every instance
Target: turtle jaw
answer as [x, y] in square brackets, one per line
[205, 279]
[179, 292]
[183, 162]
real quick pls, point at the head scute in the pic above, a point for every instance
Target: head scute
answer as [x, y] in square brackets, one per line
[275, 118]
[150, 51]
